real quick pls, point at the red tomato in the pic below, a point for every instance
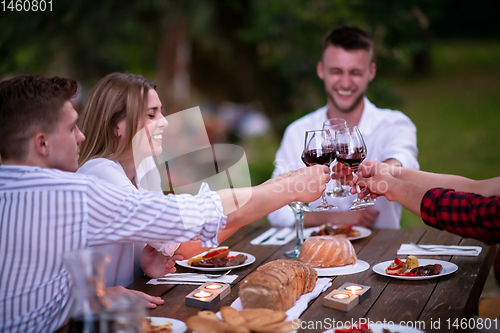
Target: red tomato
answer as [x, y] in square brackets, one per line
[398, 262]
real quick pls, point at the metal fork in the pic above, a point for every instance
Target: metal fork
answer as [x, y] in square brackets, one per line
[212, 276]
[442, 248]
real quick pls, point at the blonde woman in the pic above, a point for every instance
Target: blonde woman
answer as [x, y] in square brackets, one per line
[117, 108]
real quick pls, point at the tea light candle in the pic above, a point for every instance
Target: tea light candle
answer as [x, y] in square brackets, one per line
[340, 300]
[362, 291]
[341, 296]
[202, 294]
[202, 299]
[223, 289]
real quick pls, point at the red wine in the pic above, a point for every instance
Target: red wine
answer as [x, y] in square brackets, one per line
[351, 160]
[318, 156]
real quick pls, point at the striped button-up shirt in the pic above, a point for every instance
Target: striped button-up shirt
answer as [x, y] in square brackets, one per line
[45, 213]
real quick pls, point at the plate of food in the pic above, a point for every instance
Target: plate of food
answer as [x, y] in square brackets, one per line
[164, 325]
[415, 269]
[358, 267]
[377, 328]
[219, 259]
[352, 232]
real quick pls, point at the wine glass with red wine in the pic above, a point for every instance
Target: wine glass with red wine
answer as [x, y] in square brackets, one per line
[351, 151]
[334, 124]
[319, 148]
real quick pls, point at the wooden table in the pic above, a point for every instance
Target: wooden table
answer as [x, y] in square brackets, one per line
[442, 299]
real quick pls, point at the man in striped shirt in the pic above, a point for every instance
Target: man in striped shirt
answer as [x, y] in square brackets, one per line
[46, 210]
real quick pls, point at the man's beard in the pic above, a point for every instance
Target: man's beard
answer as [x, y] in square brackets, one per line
[349, 108]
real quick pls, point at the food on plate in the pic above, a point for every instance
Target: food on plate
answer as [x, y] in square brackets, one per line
[341, 229]
[427, 270]
[411, 262]
[218, 257]
[244, 321]
[219, 252]
[327, 251]
[396, 267]
[151, 327]
[277, 285]
[399, 267]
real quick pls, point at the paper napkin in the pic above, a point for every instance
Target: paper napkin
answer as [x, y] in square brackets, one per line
[191, 278]
[440, 250]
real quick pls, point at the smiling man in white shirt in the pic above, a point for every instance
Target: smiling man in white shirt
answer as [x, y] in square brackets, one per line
[346, 68]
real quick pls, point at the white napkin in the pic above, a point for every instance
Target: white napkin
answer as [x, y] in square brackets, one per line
[440, 250]
[286, 233]
[293, 313]
[191, 278]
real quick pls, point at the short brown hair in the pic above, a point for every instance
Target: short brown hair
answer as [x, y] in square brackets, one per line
[30, 103]
[348, 38]
[113, 98]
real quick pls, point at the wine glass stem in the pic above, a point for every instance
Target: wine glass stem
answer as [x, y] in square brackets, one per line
[358, 190]
[323, 198]
[299, 227]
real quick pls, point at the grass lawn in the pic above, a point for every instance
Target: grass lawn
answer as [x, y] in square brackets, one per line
[457, 112]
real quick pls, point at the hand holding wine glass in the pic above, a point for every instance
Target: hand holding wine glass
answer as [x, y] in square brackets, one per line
[319, 148]
[351, 151]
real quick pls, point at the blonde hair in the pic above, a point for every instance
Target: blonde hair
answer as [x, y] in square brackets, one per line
[113, 98]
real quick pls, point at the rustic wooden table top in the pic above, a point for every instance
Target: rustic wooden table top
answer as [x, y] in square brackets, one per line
[427, 302]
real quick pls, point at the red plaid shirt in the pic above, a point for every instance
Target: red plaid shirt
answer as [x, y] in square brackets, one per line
[465, 214]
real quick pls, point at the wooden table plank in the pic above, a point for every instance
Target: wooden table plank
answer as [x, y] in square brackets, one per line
[404, 300]
[457, 295]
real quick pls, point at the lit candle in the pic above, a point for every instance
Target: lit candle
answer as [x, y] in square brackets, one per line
[202, 293]
[341, 296]
[213, 286]
[353, 288]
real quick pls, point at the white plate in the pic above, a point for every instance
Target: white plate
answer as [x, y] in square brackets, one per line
[250, 259]
[358, 267]
[379, 328]
[448, 268]
[177, 325]
[364, 232]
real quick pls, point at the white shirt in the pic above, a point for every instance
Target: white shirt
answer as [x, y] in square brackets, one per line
[387, 134]
[124, 266]
[45, 213]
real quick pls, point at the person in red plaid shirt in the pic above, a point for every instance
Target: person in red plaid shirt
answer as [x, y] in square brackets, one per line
[466, 207]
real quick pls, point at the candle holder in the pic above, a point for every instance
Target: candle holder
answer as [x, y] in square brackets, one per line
[341, 300]
[223, 289]
[208, 295]
[347, 296]
[362, 291]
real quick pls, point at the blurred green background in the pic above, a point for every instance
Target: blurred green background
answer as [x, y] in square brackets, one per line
[438, 62]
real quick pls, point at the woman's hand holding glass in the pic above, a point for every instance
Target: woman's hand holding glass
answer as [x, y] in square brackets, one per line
[351, 151]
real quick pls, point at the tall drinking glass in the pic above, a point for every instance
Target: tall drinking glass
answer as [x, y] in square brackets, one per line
[319, 148]
[351, 151]
[332, 125]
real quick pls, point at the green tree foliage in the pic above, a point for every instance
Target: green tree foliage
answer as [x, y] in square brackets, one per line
[261, 51]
